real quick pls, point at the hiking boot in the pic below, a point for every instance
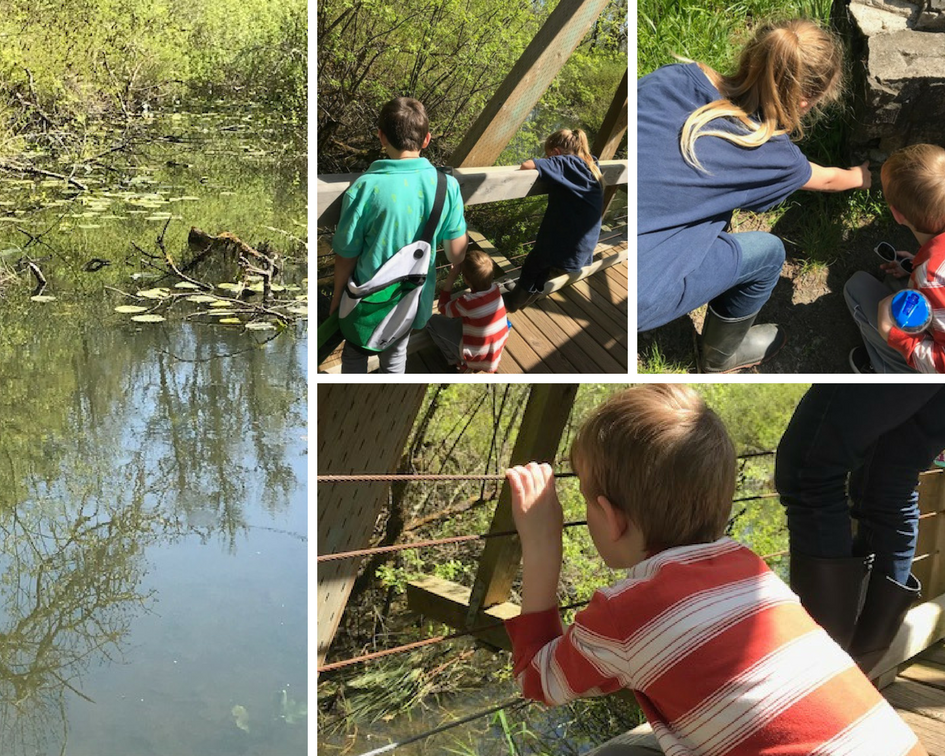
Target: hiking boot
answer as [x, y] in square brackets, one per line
[833, 591]
[730, 344]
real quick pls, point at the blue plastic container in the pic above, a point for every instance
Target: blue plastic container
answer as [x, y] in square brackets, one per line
[911, 311]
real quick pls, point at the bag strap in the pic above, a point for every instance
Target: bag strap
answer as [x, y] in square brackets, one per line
[438, 200]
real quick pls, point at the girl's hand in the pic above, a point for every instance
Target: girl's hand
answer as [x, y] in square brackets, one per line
[535, 506]
[894, 269]
[866, 178]
[528, 165]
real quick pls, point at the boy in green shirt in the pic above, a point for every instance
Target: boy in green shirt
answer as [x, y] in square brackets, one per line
[385, 210]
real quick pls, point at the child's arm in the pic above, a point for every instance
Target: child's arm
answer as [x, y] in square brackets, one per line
[344, 267]
[838, 179]
[552, 665]
[920, 350]
[528, 165]
[539, 521]
[455, 249]
[445, 305]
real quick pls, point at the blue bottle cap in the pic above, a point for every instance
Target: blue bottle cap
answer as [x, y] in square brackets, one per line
[911, 311]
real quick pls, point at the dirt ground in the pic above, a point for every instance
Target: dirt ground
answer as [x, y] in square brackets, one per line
[807, 302]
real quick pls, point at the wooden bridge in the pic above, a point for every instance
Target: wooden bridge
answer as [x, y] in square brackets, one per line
[365, 427]
[580, 325]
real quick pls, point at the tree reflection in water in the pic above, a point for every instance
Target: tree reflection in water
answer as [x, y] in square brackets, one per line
[104, 458]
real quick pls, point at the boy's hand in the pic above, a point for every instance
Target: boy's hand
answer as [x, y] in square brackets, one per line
[451, 277]
[539, 521]
[894, 269]
[535, 506]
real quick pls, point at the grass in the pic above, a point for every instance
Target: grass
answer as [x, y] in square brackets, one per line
[818, 228]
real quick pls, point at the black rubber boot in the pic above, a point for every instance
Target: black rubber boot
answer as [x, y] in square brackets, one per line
[883, 613]
[833, 591]
[730, 344]
[517, 299]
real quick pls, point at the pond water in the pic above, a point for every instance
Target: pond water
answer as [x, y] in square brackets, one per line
[153, 510]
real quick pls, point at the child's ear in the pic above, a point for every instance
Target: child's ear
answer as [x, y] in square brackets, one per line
[426, 141]
[617, 522]
[899, 217]
[382, 137]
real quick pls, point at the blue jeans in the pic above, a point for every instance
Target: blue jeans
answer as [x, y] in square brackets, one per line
[760, 269]
[882, 436]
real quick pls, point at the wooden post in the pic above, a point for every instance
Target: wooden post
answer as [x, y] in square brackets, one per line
[527, 82]
[611, 132]
[361, 428]
[543, 422]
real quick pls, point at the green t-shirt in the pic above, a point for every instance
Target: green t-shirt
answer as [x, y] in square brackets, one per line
[386, 209]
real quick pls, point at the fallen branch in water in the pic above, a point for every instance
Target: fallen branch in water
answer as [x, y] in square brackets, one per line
[34, 171]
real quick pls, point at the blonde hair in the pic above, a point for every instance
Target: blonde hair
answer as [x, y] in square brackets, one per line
[662, 456]
[478, 270]
[574, 142]
[914, 183]
[785, 63]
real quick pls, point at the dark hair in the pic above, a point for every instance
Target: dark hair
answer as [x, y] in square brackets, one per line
[404, 122]
[477, 270]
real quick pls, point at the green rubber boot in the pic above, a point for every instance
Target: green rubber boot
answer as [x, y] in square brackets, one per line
[730, 344]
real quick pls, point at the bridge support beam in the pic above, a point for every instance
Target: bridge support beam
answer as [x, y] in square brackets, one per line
[527, 81]
[360, 428]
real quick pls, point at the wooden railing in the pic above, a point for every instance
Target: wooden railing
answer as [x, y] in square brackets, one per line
[478, 185]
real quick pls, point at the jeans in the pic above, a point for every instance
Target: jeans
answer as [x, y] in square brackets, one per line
[882, 436]
[760, 269]
[863, 293]
[354, 359]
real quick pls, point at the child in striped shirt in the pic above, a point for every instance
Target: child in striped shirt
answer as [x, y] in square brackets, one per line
[720, 654]
[472, 329]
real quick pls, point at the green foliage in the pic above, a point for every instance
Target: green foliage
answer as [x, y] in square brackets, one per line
[451, 55]
[66, 64]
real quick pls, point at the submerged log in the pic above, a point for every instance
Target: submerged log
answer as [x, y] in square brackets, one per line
[250, 259]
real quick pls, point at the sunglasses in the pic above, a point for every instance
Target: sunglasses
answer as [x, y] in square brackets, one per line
[887, 253]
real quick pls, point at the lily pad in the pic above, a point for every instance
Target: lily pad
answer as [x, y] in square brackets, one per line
[260, 325]
[230, 321]
[227, 286]
[201, 299]
[185, 285]
[130, 309]
[220, 303]
[158, 293]
[298, 311]
[149, 318]
[43, 298]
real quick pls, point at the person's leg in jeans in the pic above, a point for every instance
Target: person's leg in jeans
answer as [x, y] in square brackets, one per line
[863, 293]
[394, 358]
[447, 334]
[730, 339]
[354, 359]
[760, 269]
[834, 431]
[883, 487]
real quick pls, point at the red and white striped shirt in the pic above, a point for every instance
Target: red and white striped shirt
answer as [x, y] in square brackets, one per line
[485, 326]
[925, 352]
[722, 658]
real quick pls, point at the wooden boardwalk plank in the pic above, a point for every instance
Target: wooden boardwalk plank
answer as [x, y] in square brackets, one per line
[579, 329]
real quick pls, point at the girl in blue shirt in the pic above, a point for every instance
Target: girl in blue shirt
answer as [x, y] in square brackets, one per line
[708, 144]
[571, 226]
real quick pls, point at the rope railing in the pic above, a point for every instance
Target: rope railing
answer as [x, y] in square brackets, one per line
[423, 544]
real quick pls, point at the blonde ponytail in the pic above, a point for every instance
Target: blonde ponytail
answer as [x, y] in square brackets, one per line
[574, 142]
[784, 65]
